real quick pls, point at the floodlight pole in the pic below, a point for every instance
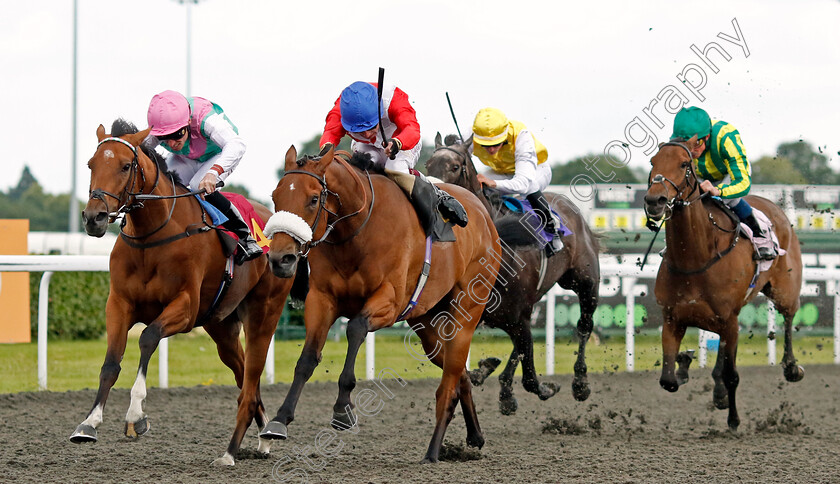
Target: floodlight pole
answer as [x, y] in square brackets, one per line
[73, 210]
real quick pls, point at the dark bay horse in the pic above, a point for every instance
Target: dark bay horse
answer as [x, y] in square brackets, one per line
[166, 270]
[367, 269]
[575, 268]
[705, 276]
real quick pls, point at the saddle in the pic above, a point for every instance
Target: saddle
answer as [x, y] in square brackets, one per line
[772, 241]
[511, 205]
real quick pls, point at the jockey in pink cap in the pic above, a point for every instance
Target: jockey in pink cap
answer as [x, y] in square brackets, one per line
[202, 146]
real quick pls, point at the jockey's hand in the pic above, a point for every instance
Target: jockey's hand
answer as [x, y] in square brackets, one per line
[486, 181]
[707, 186]
[208, 183]
[392, 147]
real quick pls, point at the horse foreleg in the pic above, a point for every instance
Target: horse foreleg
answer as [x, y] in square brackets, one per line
[720, 396]
[117, 325]
[526, 352]
[729, 348]
[175, 318]
[672, 335]
[261, 322]
[507, 402]
[318, 316]
[225, 334]
[343, 419]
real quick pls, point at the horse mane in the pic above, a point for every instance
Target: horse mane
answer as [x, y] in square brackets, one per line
[122, 127]
[362, 161]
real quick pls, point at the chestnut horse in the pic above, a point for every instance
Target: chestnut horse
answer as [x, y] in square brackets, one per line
[367, 270]
[166, 270]
[705, 276]
[575, 268]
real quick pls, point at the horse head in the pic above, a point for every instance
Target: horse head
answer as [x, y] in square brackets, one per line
[113, 177]
[301, 202]
[451, 162]
[671, 179]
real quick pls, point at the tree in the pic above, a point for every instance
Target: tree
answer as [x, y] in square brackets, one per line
[28, 201]
[600, 168]
[26, 181]
[775, 170]
[812, 165]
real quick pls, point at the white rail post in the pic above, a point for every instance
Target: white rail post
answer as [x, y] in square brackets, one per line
[269, 362]
[628, 285]
[771, 328]
[549, 332]
[702, 338]
[43, 327]
[837, 323]
[370, 356]
[163, 363]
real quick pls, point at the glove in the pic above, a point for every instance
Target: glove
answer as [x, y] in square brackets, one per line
[396, 146]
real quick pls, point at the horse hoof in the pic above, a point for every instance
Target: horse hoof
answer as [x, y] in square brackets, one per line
[485, 368]
[264, 446]
[721, 401]
[476, 441]
[733, 424]
[274, 430]
[83, 433]
[548, 390]
[225, 460]
[429, 460]
[669, 385]
[476, 378]
[343, 421]
[508, 406]
[794, 373]
[136, 429]
[580, 390]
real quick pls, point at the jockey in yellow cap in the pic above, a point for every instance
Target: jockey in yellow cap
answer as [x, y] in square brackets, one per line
[518, 161]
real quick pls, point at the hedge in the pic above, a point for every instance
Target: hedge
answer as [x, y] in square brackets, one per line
[77, 306]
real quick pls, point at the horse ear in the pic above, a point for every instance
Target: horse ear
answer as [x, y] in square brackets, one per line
[137, 138]
[325, 159]
[469, 143]
[325, 149]
[438, 142]
[291, 158]
[100, 133]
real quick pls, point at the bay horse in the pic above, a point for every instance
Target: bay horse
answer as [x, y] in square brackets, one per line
[575, 268]
[367, 268]
[167, 268]
[706, 274]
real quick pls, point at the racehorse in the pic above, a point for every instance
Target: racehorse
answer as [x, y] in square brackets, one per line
[708, 272]
[367, 250]
[167, 270]
[575, 268]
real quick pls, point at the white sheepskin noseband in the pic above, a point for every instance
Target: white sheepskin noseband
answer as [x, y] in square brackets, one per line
[288, 223]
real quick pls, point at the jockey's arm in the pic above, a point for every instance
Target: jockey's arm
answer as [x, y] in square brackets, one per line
[333, 130]
[404, 117]
[218, 129]
[526, 166]
[737, 166]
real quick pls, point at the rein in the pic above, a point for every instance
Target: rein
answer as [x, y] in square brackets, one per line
[677, 201]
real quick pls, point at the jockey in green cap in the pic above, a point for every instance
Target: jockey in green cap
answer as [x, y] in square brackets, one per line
[721, 163]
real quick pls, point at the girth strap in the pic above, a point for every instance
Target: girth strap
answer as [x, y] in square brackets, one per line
[421, 282]
[157, 243]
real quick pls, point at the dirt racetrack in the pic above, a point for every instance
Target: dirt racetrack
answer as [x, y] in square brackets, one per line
[629, 431]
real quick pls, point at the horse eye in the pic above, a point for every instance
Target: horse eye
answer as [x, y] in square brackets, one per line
[456, 167]
[313, 201]
[126, 167]
[685, 164]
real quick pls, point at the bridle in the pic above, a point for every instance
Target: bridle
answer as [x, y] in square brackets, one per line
[130, 200]
[322, 207]
[463, 156]
[677, 201]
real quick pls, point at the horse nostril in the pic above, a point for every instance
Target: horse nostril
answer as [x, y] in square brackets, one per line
[288, 259]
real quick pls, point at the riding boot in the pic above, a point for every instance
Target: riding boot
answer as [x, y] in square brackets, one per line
[434, 207]
[552, 224]
[248, 247]
[764, 253]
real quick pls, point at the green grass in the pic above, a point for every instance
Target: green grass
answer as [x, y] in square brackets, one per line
[74, 365]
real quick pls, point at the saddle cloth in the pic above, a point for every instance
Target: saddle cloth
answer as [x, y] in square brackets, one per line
[771, 243]
[516, 205]
[249, 215]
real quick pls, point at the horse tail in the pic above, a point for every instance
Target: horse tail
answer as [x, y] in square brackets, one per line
[513, 233]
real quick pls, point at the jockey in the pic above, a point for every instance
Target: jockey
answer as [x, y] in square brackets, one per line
[517, 159]
[356, 113]
[202, 146]
[720, 157]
